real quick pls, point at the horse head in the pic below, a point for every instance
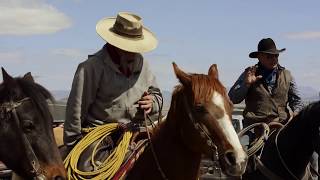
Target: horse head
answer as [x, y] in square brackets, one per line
[26, 138]
[209, 128]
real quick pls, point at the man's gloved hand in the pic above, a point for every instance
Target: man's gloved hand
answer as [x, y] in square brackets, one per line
[145, 103]
[250, 76]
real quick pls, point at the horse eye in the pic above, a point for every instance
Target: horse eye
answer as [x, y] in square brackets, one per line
[27, 125]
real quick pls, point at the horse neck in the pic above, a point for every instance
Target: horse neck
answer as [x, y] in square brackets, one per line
[295, 143]
[170, 146]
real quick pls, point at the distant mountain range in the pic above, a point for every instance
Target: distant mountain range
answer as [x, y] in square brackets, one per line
[61, 97]
[307, 94]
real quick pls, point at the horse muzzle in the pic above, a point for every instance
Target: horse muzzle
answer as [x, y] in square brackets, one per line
[234, 163]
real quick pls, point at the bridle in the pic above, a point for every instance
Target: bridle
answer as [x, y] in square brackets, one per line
[8, 110]
[203, 133]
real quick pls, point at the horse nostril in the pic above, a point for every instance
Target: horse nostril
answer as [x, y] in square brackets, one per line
[230, 158]
[59, 178]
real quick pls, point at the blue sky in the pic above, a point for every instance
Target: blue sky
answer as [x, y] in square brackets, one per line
[50, 38]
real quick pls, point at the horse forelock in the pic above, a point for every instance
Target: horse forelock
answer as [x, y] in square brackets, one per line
[202, 90]
[204, 87]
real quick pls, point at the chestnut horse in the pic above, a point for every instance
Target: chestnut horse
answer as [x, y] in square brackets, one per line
[287, 152]
[198, 122]
[26, 138]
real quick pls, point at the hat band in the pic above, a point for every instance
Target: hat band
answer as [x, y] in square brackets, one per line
[269, 51]
[120, 29]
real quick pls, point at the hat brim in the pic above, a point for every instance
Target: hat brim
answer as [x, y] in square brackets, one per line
[142, 44]
[255, 53]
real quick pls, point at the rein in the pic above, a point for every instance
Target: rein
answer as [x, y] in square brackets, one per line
[280, 157]
[282, 160]
[163, 175]
[146, 116]
[10, 107]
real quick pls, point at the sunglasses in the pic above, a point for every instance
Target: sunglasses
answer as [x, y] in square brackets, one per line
[272, 56]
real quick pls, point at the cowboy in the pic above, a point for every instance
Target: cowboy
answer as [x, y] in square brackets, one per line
[268, 89]
[115, 83]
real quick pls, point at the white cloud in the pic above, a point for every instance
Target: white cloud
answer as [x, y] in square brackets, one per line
[30, 17]
[303, 35]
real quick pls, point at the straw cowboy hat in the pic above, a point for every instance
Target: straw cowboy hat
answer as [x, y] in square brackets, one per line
[266, 46]
[127, 33]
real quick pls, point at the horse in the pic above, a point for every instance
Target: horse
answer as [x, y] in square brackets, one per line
[287, 152]
[26, 138]
[198, 122]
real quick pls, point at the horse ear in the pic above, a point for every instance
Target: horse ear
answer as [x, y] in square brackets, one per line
[213, 71]
[28, 77]
[183, 77]
[6, 77]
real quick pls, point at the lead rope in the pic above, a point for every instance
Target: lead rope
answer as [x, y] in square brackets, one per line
[152, 148]
[280, 157]
[157, 94]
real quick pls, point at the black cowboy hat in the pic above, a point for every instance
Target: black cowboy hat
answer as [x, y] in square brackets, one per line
[266, 46]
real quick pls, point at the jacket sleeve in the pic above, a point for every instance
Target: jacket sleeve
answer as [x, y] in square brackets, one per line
[72, 125]
[157, 100]
[82, 94]
[239, 90]
[154, 90]
[294, 99]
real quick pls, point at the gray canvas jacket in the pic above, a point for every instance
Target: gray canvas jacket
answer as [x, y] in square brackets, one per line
[101, 94]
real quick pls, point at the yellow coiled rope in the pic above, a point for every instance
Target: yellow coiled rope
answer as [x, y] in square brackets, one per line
[106, 169]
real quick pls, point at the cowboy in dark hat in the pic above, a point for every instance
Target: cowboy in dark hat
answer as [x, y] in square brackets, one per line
[268, 89]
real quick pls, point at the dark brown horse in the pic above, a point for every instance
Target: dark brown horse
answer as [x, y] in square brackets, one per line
[198, 122]
[27, 144]
[287, 152]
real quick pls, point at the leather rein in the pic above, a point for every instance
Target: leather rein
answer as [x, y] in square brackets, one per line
[7, 110]
[270, 174]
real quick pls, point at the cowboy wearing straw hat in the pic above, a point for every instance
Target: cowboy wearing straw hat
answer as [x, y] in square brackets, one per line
[268, 89]
[116, 82]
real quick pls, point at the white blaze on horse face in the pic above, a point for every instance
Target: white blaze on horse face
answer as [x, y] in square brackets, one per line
[225, 122]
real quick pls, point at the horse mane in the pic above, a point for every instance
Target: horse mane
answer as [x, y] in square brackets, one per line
[37, 93]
